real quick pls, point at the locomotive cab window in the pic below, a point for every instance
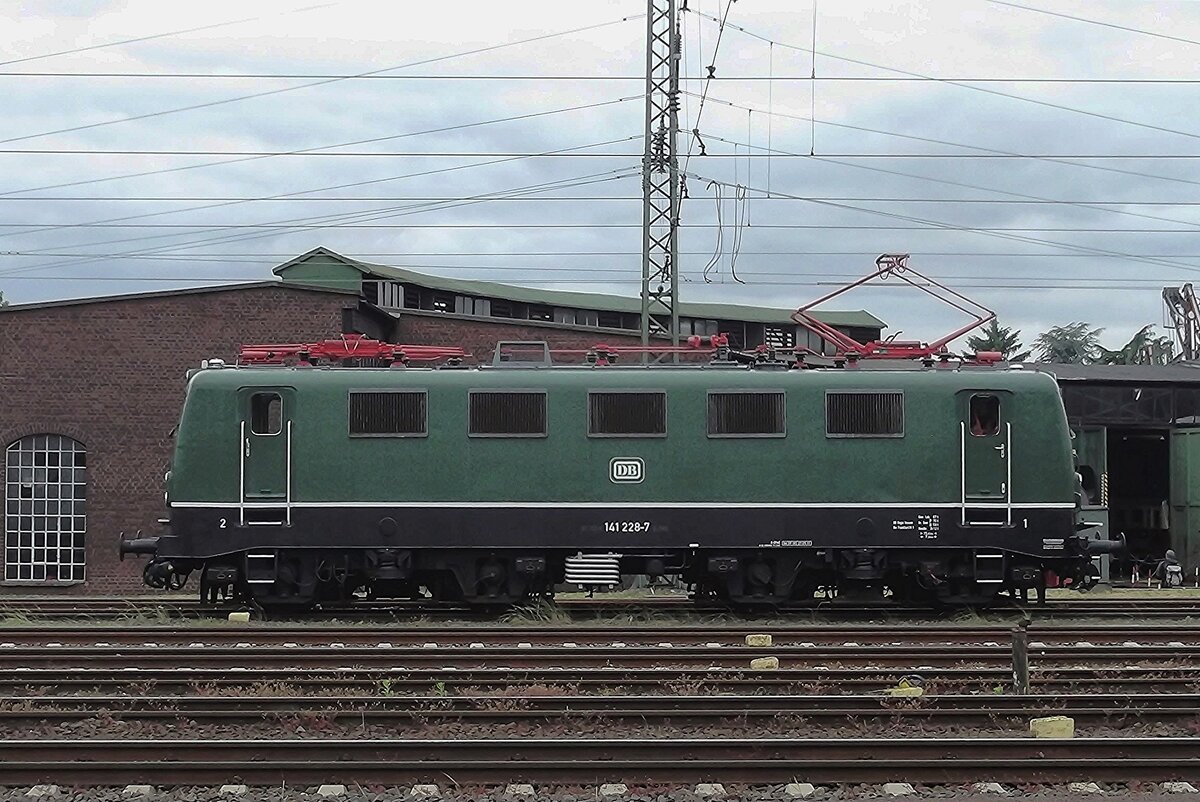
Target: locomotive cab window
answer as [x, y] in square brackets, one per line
[852, 413]
[627, 414]
[508, 413]
[388, 413]
[985, 415]
[266, 413]
[745, 414]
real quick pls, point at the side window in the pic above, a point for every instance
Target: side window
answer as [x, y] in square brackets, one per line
[632, 414]
[985, 415]
[852, 413]
[266, 413]
[508, 413]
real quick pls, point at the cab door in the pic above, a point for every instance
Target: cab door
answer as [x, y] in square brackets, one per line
[266, 436]
[985, 433]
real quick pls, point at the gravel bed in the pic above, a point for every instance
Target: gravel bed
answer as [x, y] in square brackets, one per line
[1143, 792]
[577, 726]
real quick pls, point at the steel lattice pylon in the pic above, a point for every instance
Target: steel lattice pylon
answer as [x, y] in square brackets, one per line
[660, 174]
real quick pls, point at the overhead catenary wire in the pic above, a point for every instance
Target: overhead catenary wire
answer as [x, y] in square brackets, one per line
[930, 140]
[327, 221]
[329, 188]
[439, 130]
[1002, 233]
[964, 85]
[323, 82]
[592, 77]
[1101, 23]
[163, 35]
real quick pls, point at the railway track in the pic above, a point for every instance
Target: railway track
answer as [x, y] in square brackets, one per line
[586, 761]
[1081, 606]
[1112, 710]
[357, 683]
[710, 637]
[305, 656]
[784, 634]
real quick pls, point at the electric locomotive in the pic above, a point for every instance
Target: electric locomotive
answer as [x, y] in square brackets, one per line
[758, 484]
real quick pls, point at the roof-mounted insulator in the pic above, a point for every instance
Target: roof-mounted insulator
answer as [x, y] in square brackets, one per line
[349, 348]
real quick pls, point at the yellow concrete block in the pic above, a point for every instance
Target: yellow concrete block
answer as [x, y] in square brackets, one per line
[240, 617]
[906, 691]
[1052, 727]
[758, 640]
[764, 663]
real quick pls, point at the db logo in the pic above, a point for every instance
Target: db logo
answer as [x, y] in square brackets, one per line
[626, 470]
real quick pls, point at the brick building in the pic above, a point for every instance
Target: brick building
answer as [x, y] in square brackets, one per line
[90, 389]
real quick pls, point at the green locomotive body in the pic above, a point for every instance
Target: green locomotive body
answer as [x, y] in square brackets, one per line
[493, 484]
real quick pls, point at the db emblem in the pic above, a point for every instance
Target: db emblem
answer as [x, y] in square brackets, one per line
[626, 470]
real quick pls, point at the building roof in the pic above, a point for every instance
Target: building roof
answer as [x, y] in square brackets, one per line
[138, 296]
[584, 300]
[1174, 373]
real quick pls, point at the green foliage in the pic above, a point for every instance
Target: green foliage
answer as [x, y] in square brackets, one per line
[1144, 348]
[1073, 344]
[994, 337]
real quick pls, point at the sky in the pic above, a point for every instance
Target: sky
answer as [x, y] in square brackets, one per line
[1029, 160]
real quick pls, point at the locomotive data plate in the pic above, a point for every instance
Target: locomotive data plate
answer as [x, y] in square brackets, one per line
[926, 526]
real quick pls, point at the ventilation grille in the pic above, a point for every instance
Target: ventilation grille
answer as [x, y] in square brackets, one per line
[746, 414]
[387, 414]
[627, 414]
[854, 414]
[593, 569]
[508, 414]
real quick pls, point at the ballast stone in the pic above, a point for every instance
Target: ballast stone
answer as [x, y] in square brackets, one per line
[990, 788]
[1052, 727]
[799, 790]
[138, 790]
[614, 789]
[425, 792]
[764, 664]
[42, 790]
[518, 789]
[240, 618]
[1176, 787]
[759, 639]
[710, 790]
[1084, 788]
[234, 790]
[331, 790]
[898, 789]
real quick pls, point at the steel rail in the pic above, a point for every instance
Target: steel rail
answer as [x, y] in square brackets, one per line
[942, 708]
[586, 761]
[249, 656]
[1172, 608]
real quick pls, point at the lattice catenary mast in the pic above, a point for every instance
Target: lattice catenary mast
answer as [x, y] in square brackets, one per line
[660, 173]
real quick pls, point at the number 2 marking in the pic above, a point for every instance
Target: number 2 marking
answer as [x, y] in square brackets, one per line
[222, 523]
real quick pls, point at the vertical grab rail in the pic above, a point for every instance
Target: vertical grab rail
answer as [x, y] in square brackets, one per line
[1008, 488]
[243, 444]
[287, 491]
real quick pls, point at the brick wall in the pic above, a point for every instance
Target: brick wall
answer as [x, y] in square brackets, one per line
[111, 375]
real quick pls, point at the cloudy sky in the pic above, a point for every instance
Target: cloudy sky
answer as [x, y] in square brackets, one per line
[503, 140]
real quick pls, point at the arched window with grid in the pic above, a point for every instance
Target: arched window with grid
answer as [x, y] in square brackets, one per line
[45, 510]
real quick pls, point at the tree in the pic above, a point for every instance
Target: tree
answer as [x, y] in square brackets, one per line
[1075, 343]
[1144, 348]
[994, 337]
